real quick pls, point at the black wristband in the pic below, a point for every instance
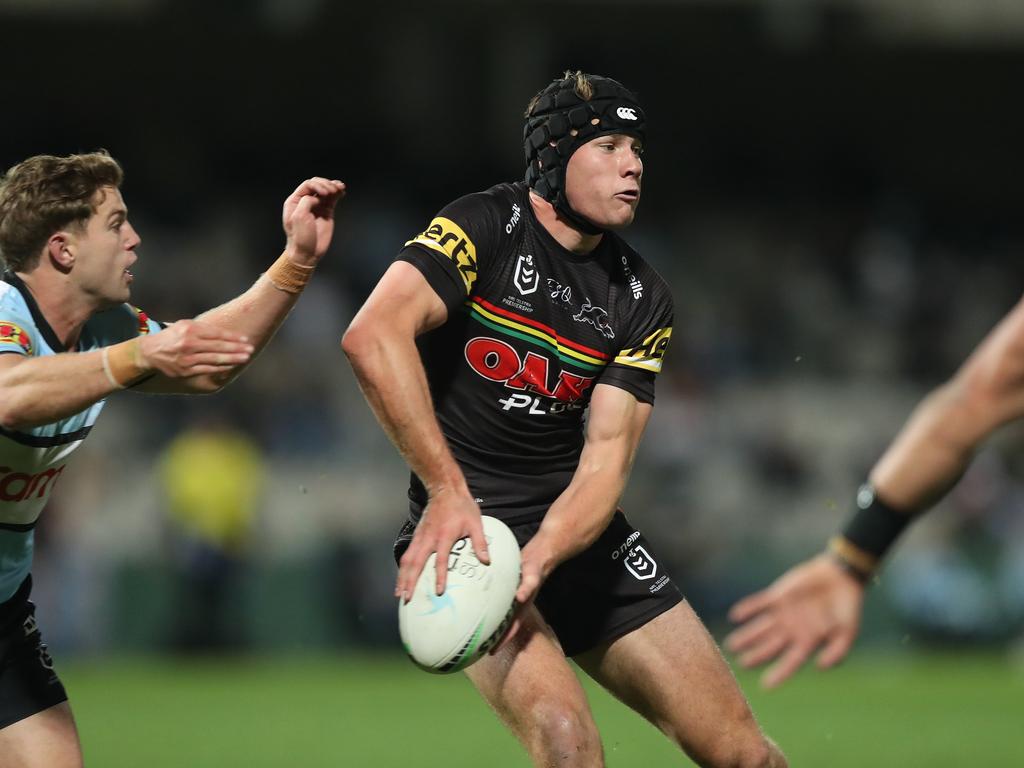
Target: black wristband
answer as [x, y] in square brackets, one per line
[875, 526]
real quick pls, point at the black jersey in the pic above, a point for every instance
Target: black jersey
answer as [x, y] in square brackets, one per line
[532, 328]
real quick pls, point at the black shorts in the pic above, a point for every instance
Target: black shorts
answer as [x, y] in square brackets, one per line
[605, 592]
[28, 683]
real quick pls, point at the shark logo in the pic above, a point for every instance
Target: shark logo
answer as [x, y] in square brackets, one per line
[527, 278]
[597, 317]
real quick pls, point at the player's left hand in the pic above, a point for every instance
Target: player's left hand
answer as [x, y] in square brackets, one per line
[308, 219]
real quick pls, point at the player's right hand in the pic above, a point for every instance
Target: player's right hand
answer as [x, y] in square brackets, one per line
[449, 516]
[194, 348]
[813, 604]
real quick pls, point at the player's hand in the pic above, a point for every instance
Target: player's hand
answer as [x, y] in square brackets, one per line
[193, 348]
[537, 561]
[308, 219]
[448, 517]
[813, 605]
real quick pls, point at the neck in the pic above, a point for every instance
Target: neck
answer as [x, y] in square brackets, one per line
[564, 232]
[64, 308]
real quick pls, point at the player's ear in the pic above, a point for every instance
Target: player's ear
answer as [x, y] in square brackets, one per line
[60, 250]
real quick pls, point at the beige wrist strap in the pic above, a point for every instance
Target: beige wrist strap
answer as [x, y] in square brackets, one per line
[288, 276]
[123, 363]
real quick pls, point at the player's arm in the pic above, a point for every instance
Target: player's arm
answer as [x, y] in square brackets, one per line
[381, 346]
[41, 390]
[308, 220]
[583, 510]
[817, 604]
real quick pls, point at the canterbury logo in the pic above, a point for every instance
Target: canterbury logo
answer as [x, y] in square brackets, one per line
[626, 113]
[447, 238]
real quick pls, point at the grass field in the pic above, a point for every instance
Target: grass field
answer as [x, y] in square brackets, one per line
[380, 712]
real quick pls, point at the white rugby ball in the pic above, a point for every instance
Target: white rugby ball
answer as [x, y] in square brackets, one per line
[448, 632]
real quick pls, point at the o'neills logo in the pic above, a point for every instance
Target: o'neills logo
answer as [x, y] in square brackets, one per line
[18, 486]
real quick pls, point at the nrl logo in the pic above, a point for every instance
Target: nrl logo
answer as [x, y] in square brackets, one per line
[526, 278]
[641, 564]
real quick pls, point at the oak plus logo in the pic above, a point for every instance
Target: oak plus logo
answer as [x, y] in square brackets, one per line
[526, 278]
[527, 376]
[626, 113]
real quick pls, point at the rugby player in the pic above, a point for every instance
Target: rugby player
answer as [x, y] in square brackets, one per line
[480, 350]
[68, 339]
[818, 604]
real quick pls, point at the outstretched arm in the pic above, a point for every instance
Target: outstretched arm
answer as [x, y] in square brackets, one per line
[381, 346]
[818, 604]
[254, 316]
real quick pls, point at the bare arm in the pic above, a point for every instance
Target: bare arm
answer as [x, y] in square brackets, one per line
[42, 390]
[937, 443]
[818, 604]
[583, 510]
[308, 220]
[381, 346]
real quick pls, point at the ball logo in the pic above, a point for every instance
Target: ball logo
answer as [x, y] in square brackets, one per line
[626, 113]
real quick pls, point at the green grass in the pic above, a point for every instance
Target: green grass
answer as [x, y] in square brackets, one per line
[380, 712]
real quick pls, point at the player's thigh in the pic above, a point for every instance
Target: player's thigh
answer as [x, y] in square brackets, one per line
[47, 739]
[532, 686]
[671, 671]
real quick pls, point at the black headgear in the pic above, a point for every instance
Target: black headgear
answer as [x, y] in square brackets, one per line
[561, 122]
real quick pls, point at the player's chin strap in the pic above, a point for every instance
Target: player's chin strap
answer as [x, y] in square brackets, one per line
[561, 122]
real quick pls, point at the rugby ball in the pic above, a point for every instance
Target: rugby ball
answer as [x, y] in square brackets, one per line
[448, 632]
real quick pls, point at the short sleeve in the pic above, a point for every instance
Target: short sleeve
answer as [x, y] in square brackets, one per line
[638, 363]
[452, 251]
[16, 335]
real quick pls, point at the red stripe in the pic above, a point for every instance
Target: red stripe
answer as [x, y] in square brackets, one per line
[540, 327]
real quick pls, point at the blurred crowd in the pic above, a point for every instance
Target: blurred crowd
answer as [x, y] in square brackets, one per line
[830, 189]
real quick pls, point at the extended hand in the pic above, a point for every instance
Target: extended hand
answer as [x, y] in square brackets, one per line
[192, 348]
[308, 219]
[447, 518]
[813, 604]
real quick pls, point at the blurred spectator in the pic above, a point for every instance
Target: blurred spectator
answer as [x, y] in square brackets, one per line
[212, 477]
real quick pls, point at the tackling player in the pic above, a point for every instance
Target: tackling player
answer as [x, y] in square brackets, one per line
[480, 350]
[68, 339]
[818, 604]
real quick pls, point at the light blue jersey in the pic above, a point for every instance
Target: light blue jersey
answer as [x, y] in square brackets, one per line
[32, 461]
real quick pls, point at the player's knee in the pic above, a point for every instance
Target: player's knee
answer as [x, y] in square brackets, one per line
[566, 735]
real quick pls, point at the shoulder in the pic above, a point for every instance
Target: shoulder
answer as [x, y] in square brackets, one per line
[642, 281]
[17, 328]
[495, 204]
[119, 324]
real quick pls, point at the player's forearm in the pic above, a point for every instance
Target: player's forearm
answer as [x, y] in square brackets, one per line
[42, 390]
[933, 449]
[391, 376]
[584, 509]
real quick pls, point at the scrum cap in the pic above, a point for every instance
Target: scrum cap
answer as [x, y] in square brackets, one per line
[561, 122]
